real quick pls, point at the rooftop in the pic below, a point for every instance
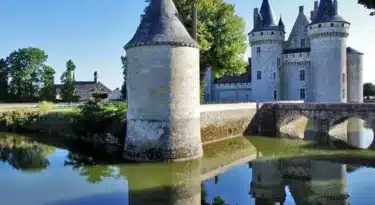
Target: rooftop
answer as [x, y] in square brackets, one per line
[161, 24]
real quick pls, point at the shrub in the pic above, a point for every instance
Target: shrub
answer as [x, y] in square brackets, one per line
[45, 107]
[102, 118]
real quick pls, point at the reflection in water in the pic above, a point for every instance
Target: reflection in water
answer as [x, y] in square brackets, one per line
[309, 181]
[273, 179]
[24, 155]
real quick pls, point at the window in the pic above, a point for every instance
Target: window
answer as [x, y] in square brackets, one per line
[302, 75]
[343, 93]
[302, 93]
[259, 75]
[332, 24]
[303, 43]
[261, 33]
[343, 78]
[274, 94]
[274, 75]
[258, 49]
[278, 61]
[272, 33]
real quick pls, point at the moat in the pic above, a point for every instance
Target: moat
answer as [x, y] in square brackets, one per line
[243, 170]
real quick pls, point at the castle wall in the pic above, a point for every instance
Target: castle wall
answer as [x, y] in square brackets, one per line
[266, 61]
[355, 78]
[163, 102]
[293, 64]
[328, 61]
[234, 92]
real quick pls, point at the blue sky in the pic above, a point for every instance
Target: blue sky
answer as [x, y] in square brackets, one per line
[92, 32]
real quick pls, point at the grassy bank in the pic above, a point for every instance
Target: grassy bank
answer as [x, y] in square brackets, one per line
[103, 122]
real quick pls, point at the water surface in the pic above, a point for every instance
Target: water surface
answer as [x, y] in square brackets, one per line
[245, 170]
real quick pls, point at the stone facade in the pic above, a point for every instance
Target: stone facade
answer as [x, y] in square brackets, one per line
[314, 64]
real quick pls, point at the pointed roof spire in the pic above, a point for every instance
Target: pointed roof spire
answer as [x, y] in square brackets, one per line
[326, 12]
[267, 14]
[281, 23]
[161, 24]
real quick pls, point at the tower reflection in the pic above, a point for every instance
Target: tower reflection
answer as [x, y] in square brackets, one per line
[311, 182]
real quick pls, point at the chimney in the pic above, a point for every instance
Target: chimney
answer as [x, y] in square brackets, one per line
[301, 9]
[96, 76]
[335, 6]
[256, 12]
[194, 15]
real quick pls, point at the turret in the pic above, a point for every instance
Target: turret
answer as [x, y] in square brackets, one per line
[355, 75]
[163, 118]
[328, 34]
[267, 185]
[266, 41]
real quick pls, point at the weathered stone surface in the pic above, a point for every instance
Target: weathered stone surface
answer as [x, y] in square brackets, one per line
[163, 103]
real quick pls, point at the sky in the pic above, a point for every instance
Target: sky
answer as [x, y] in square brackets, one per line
[93, 32]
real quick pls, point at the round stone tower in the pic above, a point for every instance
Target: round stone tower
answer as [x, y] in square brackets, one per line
[328, 34]
[266, 41]
[163, 118]
[355, 76]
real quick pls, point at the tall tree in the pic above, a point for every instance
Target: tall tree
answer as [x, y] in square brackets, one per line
[370, 4]
[48, 91]
[67, 93]
[25, 67]
[124, 61]
[221, 34]
[4, 77]
[368, 90]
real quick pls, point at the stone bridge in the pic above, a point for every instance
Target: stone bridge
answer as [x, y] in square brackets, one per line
[324, 116]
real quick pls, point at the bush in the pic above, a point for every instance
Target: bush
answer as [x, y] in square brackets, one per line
[101, 119]
[45, 107]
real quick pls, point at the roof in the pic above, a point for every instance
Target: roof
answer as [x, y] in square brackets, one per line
[265, 19]
[350, 50]
[326, 13]
[267, 14]
[161, 24]
[85, 88]
[298, 30]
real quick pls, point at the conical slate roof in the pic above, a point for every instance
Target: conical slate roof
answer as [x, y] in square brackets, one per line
[281, 23]
[326, 13]
[298, 30]
[267, 14]
[161, 24]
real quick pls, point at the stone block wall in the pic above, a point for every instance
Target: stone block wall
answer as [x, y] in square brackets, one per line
[222, 121]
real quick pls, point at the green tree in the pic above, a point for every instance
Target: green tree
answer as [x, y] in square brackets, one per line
[370, 4]
[25, 67]
[368, 90]
[4, 77]
[124, 61]
[48, 91]
[221, 35]
[67, 93]
[219, 201]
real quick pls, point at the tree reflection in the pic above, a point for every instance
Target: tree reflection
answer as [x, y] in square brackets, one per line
[88, 167]
[24, 155]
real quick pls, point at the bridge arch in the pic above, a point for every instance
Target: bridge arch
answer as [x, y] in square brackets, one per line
[351, 125]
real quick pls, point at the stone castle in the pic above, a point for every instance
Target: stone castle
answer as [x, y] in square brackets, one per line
[314, 64]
